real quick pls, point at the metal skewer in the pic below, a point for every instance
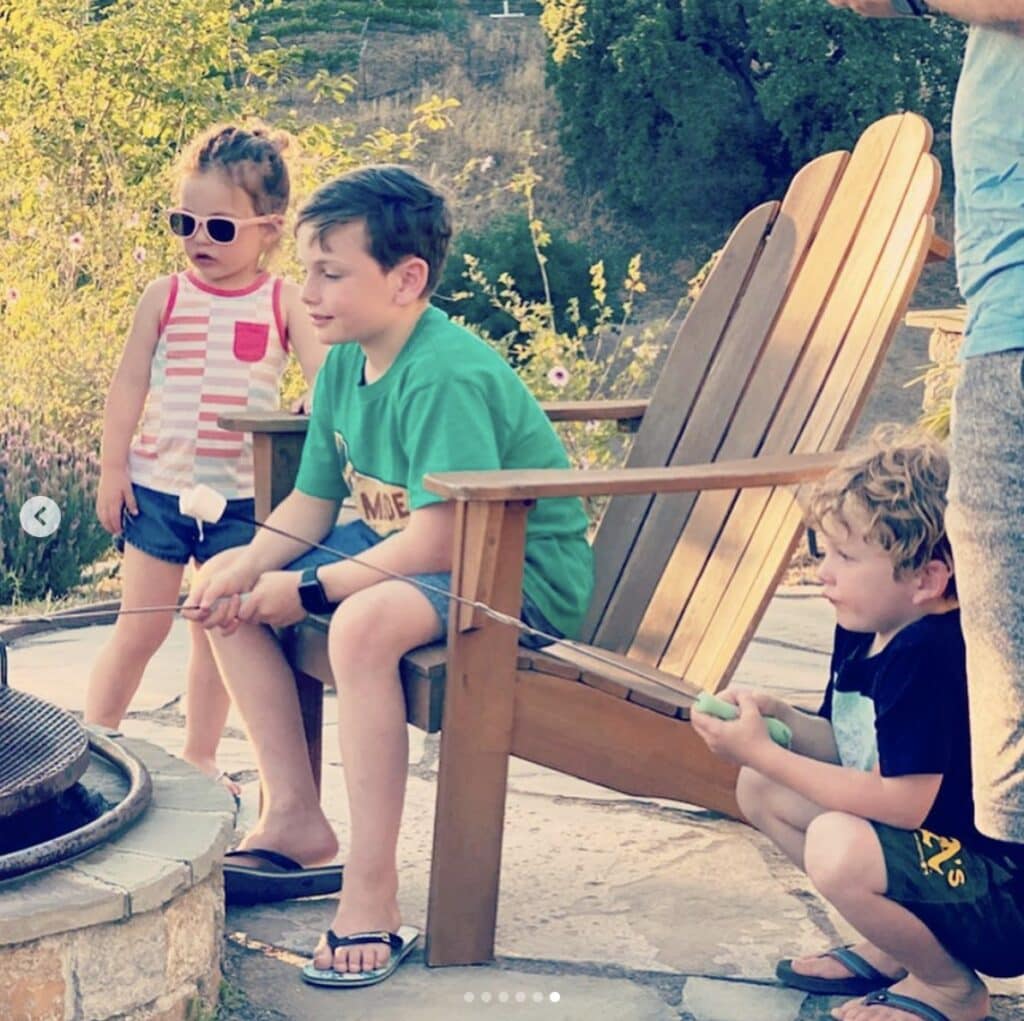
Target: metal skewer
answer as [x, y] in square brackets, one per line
[497, 615]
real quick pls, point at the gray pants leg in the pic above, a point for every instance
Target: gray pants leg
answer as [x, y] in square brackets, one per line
[985, 522]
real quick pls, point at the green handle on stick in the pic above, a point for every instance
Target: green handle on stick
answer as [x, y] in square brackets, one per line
[707, 703]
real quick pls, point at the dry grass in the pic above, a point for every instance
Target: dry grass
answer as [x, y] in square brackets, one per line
[496, 71]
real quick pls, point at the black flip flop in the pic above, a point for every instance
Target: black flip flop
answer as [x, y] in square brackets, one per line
[281, 878]
[866, 978]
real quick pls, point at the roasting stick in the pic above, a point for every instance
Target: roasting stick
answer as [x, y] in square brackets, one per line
[65, 616]
[208, 506]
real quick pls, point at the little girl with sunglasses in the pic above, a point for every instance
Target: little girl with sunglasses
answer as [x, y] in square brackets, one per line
[206, 342]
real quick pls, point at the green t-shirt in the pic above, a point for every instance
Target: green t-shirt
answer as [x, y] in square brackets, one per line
[448, 402]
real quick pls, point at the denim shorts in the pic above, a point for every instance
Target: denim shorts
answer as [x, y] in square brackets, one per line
[162, 531]
[357, 537]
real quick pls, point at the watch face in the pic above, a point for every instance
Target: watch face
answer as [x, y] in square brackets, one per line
[311, 593]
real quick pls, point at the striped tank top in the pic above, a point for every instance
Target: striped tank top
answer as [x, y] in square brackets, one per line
[218, 352]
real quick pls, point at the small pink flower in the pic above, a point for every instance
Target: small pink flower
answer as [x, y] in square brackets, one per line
[12, 294]
[486, 164]
[4, 137]
[76, 242]
[558, 376]
[139, 255]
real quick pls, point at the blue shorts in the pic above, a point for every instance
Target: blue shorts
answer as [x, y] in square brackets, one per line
[357, 537]
[162, 531]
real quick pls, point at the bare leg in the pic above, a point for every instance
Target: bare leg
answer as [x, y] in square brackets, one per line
[784, 816]
[369, 634]
[263, 687]
[778, 812]
[845, 862]
[115, 676]
[206, 707]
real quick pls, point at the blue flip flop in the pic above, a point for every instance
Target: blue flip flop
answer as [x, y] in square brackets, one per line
[401, 943]
[884, 998]
[864, 977]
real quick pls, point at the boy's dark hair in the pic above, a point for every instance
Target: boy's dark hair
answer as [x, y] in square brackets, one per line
[403, 214]
[893, 490]
[251, 158]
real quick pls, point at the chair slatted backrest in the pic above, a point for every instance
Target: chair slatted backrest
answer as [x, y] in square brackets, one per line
[777, 355]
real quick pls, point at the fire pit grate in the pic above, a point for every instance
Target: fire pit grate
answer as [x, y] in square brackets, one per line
[43, 750]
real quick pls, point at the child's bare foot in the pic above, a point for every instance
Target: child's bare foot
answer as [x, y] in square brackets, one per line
[966, 1001]
[209, 767]
[827, 967]
[362, 907]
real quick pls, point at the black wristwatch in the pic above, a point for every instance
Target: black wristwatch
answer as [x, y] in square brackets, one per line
[312, 595]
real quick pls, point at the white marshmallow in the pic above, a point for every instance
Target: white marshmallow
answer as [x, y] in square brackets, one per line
[202, 503]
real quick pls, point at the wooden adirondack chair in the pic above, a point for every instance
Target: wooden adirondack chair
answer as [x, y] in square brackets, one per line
[763, 384]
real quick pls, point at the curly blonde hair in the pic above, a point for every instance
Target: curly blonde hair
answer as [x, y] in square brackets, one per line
[892, 491]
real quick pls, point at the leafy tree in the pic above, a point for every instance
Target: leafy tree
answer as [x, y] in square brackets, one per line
[688, 111]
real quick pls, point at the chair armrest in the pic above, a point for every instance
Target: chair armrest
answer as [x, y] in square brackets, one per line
[628, 414]
[264, 422]
[625, 412]
[535, 484]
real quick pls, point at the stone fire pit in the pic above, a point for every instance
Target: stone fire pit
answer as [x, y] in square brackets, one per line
[132, 930]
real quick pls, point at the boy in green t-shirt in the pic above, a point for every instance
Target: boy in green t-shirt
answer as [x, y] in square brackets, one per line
[403, 392]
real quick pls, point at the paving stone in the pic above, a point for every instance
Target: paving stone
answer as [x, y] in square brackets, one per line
[710, 999]
[800, 616]
[56, 664]
[415, 993]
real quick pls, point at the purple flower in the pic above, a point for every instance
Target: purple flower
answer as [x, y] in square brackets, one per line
[139, 255]
[12, 294]
[77, 241]
[558, 376]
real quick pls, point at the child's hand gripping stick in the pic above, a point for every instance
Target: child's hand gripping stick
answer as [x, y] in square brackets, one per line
[707, 703]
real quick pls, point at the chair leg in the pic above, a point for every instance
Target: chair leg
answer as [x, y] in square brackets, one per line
[468, 830]
[476, 736]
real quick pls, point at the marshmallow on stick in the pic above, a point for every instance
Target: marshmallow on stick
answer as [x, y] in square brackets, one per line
[204, 504]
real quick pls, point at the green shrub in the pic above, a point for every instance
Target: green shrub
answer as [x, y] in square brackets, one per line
[35, 461]
[505, 247]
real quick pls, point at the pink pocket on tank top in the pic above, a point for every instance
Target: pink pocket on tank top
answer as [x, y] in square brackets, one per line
[251, 341]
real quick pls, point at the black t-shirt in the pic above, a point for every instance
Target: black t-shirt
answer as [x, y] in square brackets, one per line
[916, 691]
